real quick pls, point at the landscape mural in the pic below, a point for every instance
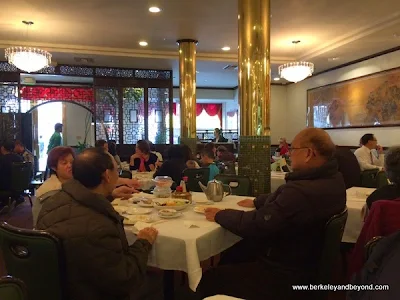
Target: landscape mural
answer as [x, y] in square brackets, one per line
[368, 101]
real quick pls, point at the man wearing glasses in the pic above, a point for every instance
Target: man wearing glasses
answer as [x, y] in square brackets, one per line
[285, 231]
[365, 156]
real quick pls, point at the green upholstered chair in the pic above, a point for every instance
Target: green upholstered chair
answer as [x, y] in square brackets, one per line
[194, 176]
[381, 179]
[240, 185]
[35, 257]
[331, 248]
[368, 178]
[12, 289]
[21, 177]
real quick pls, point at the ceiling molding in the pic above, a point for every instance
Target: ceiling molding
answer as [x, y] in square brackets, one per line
[125, 52]
[347, 38]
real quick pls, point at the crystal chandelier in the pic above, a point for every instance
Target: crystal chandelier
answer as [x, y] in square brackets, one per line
[296, 71]
[26, 58]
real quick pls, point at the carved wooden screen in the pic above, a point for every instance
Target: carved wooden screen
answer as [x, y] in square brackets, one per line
[107, 114]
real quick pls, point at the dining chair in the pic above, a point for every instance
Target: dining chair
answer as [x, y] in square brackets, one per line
[12, 289]
[194, 176]
[21, 176]
[368, 178]
[240, 185]
[35, 257]
[381, 179]
[333, 234]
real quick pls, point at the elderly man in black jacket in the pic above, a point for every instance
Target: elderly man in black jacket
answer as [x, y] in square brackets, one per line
[287, 226]
[100, 263]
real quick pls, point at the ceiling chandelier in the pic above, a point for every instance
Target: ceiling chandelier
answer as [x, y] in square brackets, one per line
[296, 71]
[28, 59]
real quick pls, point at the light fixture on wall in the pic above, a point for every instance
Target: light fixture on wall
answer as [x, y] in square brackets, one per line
[296, 71]
[28, 59]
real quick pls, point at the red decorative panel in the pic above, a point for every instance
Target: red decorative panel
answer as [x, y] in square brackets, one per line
[57, 93]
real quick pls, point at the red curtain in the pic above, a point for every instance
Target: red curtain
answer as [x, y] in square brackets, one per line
[174, 108]
[212, 109]
[57, 93]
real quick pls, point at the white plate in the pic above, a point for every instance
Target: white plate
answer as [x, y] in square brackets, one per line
[204, 202]
[121, 209]
[138, 211]
[166, 200]
[131, 220]
[142, 204]
[199, 209]
[177, 215]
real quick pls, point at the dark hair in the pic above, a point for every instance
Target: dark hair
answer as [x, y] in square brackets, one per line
[58, 126]
[55, 155]
[8, 146]
[366, 138]
[100, 143]
[175, 152]
[152, 146]
[112, 148]
[89, 166]
[218, 130]
[187, 153]
[222, 149]
[209, 146]
[143, 146]
[392, 164]
[207, 152]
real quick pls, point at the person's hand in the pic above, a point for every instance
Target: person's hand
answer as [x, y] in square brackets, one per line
[124, 192]
[210, 213]
[379, 148]
[135, 156]
[246, 203]
[159, 164]
[149, 234]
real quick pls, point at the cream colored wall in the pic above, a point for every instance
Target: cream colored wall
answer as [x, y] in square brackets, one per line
[297, 101]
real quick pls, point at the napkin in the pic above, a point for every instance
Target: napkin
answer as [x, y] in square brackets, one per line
[196, 224]
[140, 225]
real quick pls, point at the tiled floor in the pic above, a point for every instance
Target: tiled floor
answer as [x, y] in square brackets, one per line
[22, 217]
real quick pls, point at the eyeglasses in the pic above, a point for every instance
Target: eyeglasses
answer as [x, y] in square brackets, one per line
[296, 148]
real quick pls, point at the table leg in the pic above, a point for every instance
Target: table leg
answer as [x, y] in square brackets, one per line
[169, 287]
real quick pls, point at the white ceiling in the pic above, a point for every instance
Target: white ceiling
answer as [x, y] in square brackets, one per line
[109, 32]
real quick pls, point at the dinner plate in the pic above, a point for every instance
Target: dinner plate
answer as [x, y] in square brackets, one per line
[138, 211]
[177, 215]
[142, 204]
[121, 209]
[132, 219]
[204, 202]
[168, 202]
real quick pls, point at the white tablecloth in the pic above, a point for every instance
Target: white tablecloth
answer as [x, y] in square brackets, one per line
[356, 197]
[277, 179]
[181, 248]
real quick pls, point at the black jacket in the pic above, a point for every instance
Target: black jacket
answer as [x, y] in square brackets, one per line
[172, 168]
[100, 263]
[288, 225]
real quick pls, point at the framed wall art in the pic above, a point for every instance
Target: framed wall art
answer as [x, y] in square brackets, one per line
[368, 101]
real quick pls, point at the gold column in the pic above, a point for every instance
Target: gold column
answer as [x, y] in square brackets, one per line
[187, 91]
[254, 92]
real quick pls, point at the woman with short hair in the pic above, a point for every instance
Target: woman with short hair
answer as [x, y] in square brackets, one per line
[143, 160]
[59, 161]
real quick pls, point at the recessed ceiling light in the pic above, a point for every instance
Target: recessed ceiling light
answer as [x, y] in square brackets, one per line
[276, 78]
[226, 48]
[154, 9]
[143, 43]
[333, 58]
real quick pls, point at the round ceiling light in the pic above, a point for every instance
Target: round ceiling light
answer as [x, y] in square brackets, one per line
[143, 43]
[226, 48]
[154, 9]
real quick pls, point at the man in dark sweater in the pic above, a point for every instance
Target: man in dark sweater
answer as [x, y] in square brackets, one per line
[287, 226]
[392, 169]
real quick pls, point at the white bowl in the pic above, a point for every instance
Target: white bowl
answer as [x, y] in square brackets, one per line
[167, 212]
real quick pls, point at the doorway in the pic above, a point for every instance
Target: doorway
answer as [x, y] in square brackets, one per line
[48, 115]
